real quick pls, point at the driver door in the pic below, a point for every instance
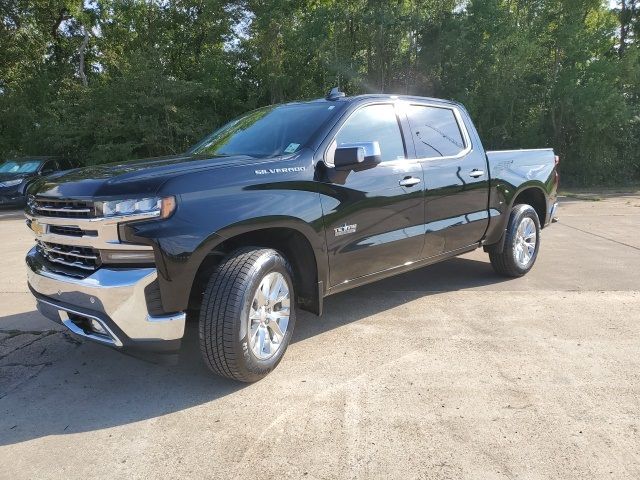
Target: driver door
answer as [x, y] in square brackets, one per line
[374, 218]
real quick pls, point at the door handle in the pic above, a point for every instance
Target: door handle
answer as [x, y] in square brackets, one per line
[476, 173]
[409, 182]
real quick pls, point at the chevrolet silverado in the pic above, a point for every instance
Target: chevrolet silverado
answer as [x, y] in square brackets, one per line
[275, 211]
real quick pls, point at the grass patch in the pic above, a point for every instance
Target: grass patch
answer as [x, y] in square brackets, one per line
[596, 194]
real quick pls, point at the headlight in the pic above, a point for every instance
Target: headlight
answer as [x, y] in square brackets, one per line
[152, 206]
[11, 183]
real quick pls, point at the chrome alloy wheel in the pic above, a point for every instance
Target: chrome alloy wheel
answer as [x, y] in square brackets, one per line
[525, 242]
[269, 316]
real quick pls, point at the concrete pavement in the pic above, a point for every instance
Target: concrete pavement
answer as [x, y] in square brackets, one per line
[446, 372]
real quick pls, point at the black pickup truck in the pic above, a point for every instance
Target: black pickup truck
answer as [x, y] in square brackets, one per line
[276, 210]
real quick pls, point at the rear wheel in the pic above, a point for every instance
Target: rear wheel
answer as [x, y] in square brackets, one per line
[247, 315]
[521, 244]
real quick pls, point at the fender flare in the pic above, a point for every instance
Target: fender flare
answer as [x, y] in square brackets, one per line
[533, 184]
[314, 236]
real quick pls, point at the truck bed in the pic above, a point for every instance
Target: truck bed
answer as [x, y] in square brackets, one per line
[535, 163]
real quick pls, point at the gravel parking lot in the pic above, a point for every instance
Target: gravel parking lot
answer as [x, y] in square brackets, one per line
[446, 372]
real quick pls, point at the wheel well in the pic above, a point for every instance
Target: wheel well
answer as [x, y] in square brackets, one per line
[289, 242]
[531, 196]
[535, 198]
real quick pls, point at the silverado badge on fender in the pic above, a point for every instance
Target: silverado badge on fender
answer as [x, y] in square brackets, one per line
[280, 170]
[345, 230]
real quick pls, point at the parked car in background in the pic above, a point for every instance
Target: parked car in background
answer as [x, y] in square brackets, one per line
[16, 175]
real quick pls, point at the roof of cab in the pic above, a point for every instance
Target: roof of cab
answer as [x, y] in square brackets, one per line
[388, 96]
[379, 96]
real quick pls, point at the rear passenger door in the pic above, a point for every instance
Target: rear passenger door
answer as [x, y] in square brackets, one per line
[455, 175]
[373, 218]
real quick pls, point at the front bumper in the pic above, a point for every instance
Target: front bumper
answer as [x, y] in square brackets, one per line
[109, 306]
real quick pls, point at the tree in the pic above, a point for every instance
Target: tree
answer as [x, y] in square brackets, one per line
[108, 80]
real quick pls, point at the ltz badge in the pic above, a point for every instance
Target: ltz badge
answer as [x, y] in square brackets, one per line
[345, 230]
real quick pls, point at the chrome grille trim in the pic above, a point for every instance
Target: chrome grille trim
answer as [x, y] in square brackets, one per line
[65, 209]
[70, 264]
[98, 233]
[71, 231]
[73, 253]
[48, 207]
[84, 258]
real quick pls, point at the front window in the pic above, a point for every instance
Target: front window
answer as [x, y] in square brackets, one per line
[374, 123]
[268, 132]
[19, 167]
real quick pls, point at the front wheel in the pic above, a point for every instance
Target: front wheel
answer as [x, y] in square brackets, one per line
[521, 245]
[247, 315]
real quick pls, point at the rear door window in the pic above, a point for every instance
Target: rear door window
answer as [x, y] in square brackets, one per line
[436, 131]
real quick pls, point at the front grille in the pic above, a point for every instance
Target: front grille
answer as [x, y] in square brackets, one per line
[83, 258]
[63, 208]
[72, 231]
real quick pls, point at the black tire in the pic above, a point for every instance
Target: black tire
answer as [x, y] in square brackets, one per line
[224, 315]
[505, 263]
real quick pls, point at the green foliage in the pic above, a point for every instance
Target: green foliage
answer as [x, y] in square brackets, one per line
[110, 80]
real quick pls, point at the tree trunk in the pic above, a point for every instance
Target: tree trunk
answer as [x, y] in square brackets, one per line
[83, 47]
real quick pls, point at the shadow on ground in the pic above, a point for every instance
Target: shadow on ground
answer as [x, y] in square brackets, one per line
[88, 387]
[10, 212]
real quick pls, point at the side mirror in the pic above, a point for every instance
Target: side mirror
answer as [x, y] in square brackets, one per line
[357, 156]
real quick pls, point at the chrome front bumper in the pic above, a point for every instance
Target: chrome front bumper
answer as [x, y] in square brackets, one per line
[114, 298]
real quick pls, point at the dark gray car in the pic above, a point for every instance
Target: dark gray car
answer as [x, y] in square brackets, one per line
[17, 174]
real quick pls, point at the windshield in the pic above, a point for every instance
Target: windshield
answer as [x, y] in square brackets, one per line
[268, 132]
[19, 167]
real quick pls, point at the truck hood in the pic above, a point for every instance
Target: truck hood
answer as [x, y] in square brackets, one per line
[137, 177]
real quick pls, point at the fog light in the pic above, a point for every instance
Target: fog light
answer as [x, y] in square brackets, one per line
[97, 327]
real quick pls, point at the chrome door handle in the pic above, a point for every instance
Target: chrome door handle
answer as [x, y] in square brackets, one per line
[476, 173]
[409, 181]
